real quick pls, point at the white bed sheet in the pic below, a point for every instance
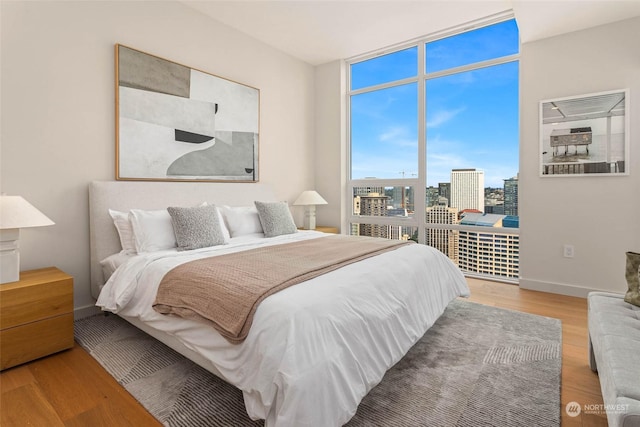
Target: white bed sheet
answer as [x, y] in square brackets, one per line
[315, 349]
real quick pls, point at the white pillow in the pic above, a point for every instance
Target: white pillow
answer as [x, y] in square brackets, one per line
[152, 230]
[242, 220]
[223, 226]
[125, 231]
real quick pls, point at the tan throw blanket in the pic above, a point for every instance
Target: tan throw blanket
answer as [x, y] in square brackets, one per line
[227, 289]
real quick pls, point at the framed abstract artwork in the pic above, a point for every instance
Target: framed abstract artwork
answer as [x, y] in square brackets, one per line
[586, 135]
[176, 123]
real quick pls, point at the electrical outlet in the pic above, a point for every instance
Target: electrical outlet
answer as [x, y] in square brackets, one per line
[568, 251]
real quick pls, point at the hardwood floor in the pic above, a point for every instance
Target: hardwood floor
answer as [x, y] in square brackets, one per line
[71, 389]
[67, 389]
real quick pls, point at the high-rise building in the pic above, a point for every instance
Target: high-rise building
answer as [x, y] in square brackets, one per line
[446, 241]
[373, 204]
[399, 198]
[399, 232]
[356, 205]
[410, 200]
[511, 196]
[444, 190]
[364, 191]
[432, 196]
[488, 252]
[493, 207]
[467, 189]
[355, 228]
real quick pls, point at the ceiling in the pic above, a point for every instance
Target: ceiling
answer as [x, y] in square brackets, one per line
[321, 31]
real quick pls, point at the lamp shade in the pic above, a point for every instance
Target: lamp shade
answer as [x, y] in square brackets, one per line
[310, 197]
[16, 212]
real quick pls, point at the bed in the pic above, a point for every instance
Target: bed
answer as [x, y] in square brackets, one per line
[315, 349]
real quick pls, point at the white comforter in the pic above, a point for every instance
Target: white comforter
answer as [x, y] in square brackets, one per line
[317, 348]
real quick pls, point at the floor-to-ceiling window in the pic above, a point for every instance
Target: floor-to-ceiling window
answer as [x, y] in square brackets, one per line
[434, 145]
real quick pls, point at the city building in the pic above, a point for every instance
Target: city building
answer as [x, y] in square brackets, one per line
[433, 194]
[442, 201]
[446, 241]
[397, 212]
[488, 252]
[364, 191]
[373, 204]
[467, 189]
[511, 196]
[494, 208]
[444, 190]
[481, 219]
[511, 221]
[410, 201]
[399, 232]
[355, 227]
[466, 211]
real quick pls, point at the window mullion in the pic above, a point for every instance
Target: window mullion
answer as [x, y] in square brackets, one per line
[420, 192]
[382, 86]
[474, 66]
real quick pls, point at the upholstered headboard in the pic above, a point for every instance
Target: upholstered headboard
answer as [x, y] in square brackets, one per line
[126, 195]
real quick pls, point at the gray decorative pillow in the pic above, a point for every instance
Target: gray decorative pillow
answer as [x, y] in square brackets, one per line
[197, 227]
[275, 218]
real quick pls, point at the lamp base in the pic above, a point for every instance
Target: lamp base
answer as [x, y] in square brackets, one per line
[9, 255]
[310, 217]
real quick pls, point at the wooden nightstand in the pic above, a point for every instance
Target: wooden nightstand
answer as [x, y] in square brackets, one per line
[333, 230]
[36, 316]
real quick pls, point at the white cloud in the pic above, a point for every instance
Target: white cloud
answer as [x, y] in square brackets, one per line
[443, 155]
[399, 136]
[442, 116]
[380, 166]
[392, 133]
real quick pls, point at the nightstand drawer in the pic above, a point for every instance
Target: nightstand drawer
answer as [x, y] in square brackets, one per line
[38, 295]
[34, 340]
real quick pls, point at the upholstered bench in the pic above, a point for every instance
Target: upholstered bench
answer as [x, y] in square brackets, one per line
[614, 349]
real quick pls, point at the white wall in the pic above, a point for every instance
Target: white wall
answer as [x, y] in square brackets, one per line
[598, 215]
[58, 120]
[330, 137]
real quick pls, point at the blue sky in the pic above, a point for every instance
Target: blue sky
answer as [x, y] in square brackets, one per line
[471, 118]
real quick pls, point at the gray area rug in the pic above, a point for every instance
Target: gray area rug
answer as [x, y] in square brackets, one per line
[477, 366]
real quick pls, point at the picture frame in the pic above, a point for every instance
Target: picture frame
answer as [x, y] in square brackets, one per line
[177, 123]
[585, 135]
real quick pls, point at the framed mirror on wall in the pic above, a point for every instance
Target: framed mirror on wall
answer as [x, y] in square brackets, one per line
[585, 135]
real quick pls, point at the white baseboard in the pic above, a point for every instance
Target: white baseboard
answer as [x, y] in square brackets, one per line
[557, 288]
[86, 311]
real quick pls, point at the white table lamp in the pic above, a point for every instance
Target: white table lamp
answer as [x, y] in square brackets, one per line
[15, 213]
[309, 199]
